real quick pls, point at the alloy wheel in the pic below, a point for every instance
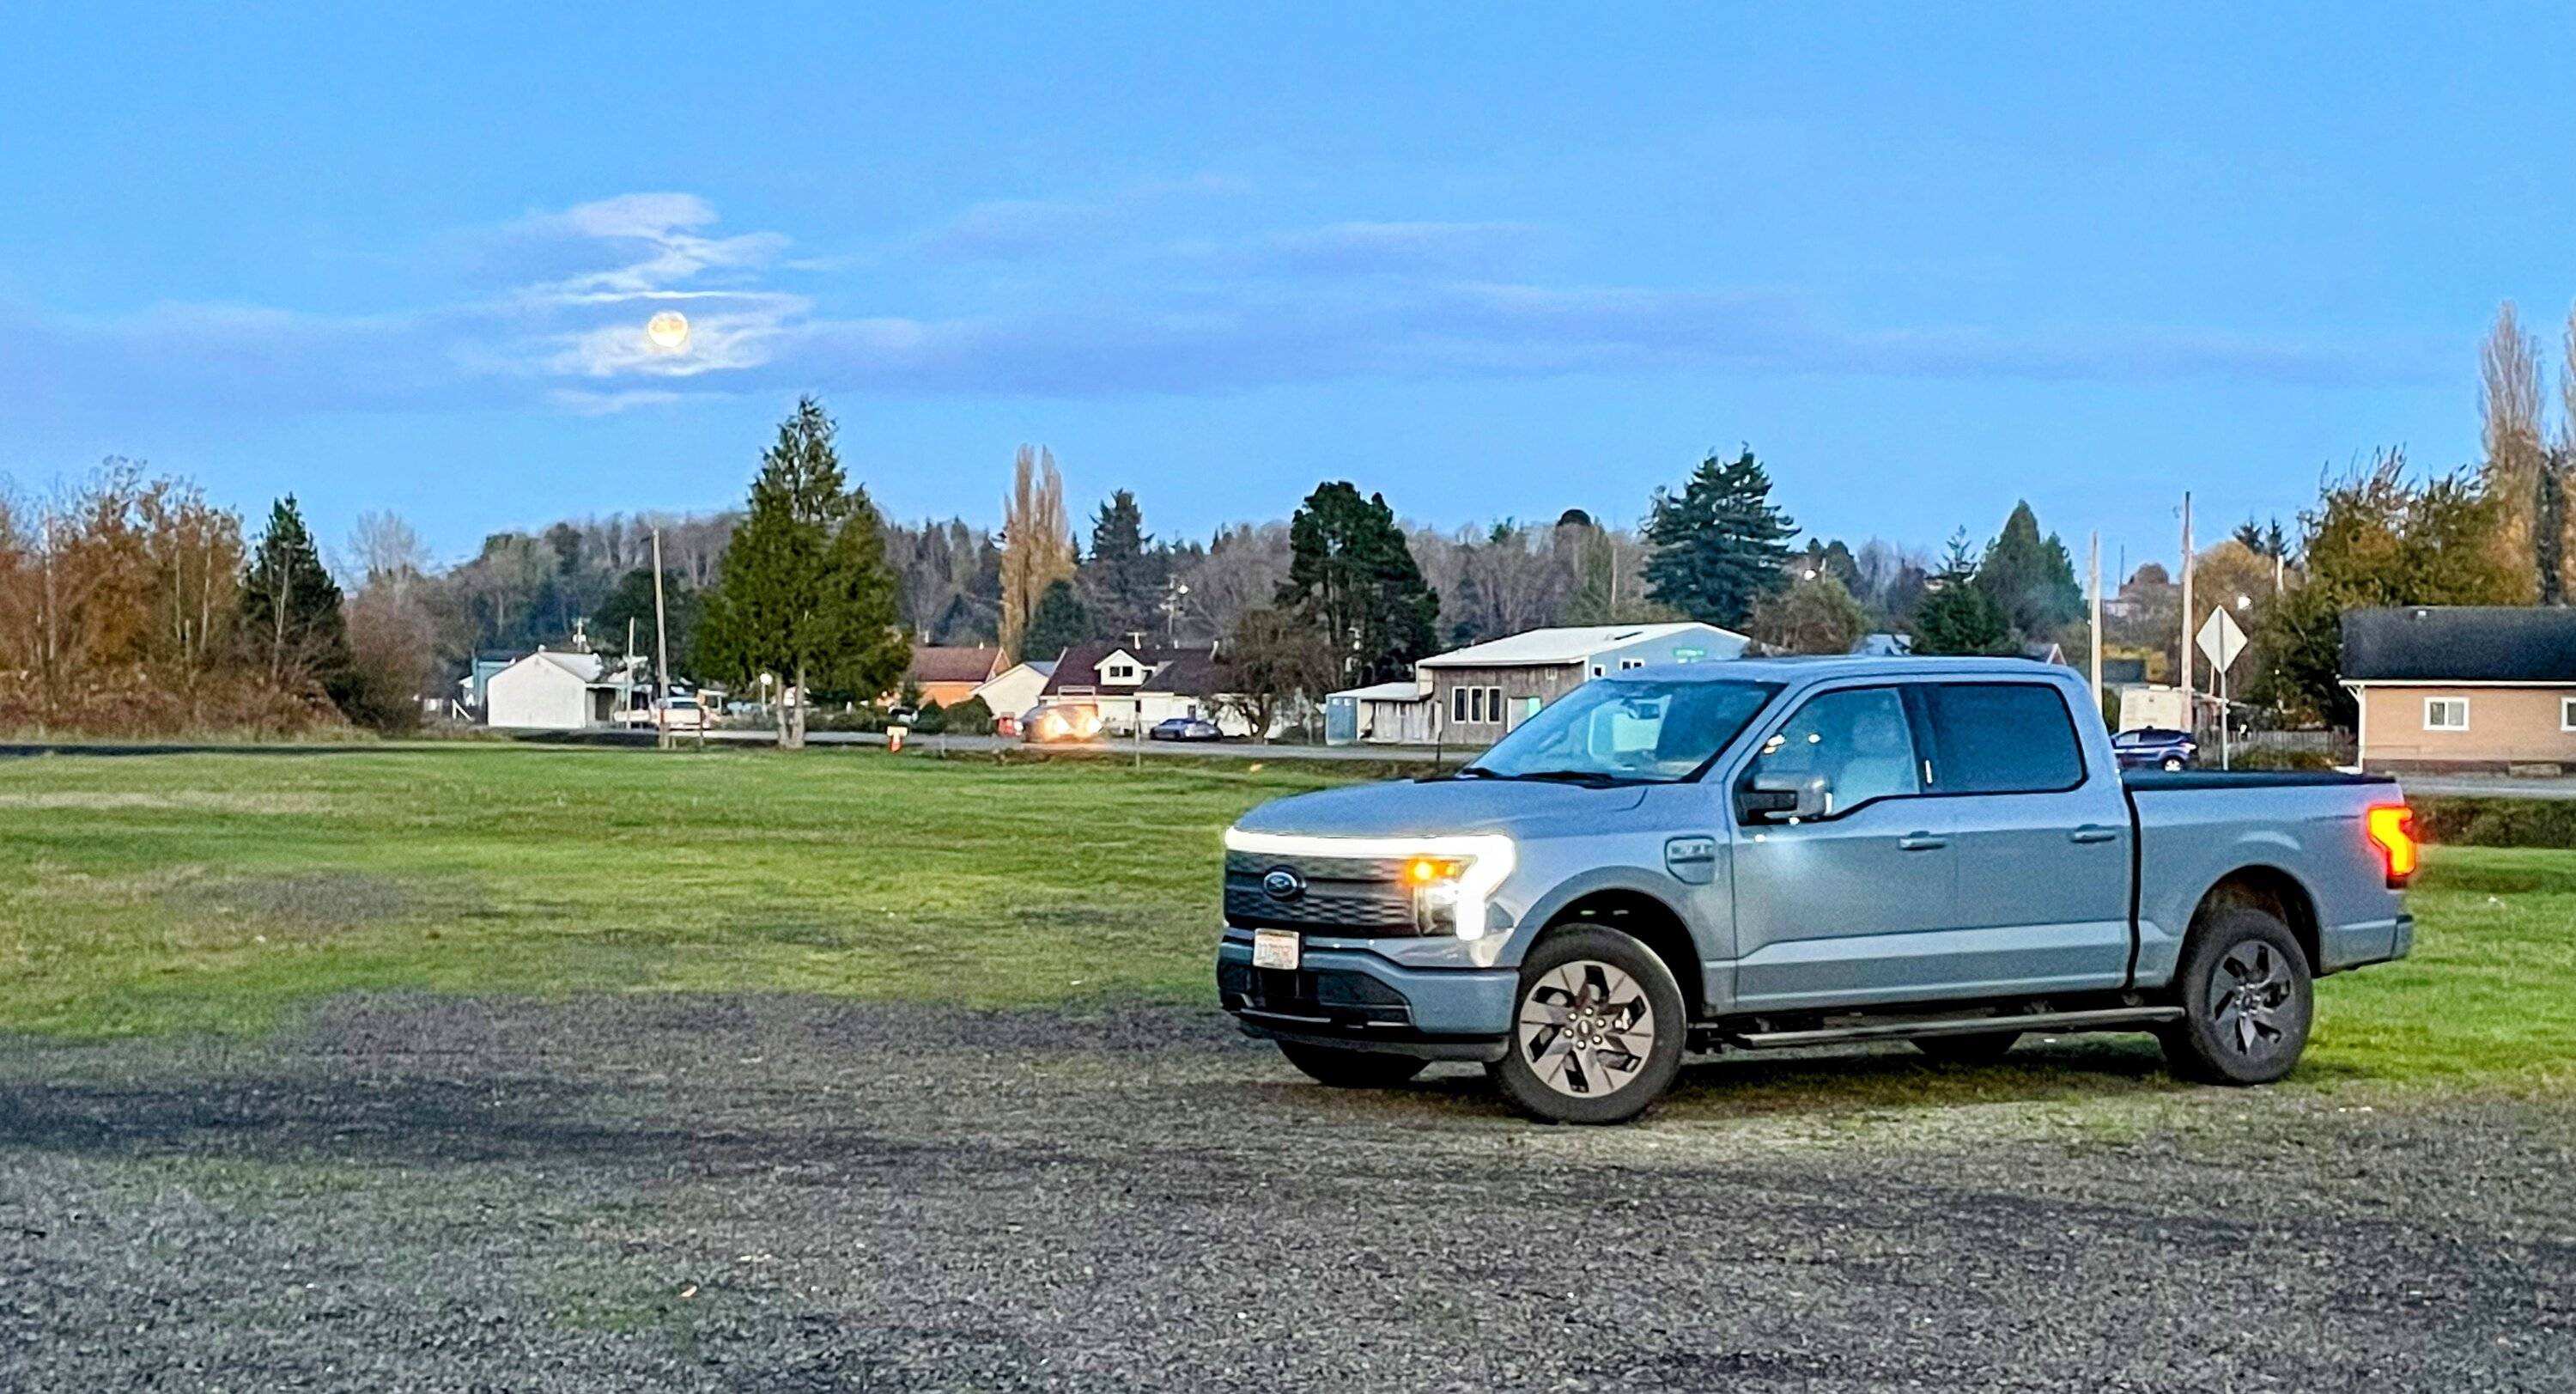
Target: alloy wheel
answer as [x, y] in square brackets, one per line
[2246, 993]
[1586, 1028]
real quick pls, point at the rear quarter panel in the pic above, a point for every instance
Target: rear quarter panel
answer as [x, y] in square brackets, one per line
[2190, 839]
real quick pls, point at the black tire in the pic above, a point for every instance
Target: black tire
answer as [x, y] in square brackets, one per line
[1352, 1069]
[1608, 1062]
[2246, 996]
[1984, 1048]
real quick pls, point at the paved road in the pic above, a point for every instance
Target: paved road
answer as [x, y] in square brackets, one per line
[775, 1194]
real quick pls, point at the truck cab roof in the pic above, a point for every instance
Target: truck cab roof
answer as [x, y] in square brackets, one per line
[1803, 669]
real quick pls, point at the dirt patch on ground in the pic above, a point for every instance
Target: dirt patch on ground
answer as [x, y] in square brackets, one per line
[779, 1193]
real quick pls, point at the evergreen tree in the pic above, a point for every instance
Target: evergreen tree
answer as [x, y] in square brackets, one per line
[805, 592]
[1059, 623]
[290, 610]
[632, 599]
[1719, 545]
[1959, 616]
[1122, 579]
[1352, 576]
[2030, 578]
[2266, 540]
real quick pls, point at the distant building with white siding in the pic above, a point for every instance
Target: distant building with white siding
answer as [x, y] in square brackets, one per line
[560, 691]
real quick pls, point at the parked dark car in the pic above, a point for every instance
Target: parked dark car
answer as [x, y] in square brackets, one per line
[1185, 728]
[2155, 748]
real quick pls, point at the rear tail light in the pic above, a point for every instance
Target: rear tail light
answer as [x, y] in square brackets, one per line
[2392, 831]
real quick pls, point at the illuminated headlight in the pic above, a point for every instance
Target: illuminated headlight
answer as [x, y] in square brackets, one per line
[1450, 880]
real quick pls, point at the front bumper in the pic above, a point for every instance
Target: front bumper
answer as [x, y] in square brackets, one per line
[1345, 994]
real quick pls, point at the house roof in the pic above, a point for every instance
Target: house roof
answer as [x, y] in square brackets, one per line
[1544, 648]
[1191, 672]
[1079, 666]
[953, 663]
[1403, 691]
[2460, 643]
[585, 666]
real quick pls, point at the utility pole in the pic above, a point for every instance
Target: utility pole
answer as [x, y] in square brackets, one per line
[2096, 567]
[661, 653]
[2190, 720]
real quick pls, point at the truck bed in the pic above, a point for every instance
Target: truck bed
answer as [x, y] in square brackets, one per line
[2299, 830]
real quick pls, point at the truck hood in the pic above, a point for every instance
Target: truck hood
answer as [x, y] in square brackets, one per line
[1439, 807]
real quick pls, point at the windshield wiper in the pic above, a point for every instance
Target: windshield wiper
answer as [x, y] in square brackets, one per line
[1594, 778]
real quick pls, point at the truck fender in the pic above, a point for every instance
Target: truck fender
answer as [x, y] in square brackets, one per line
[1654, 885]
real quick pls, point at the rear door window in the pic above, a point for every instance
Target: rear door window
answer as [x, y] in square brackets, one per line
[2002, 738]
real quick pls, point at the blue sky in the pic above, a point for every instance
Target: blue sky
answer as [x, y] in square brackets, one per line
[1491, 260]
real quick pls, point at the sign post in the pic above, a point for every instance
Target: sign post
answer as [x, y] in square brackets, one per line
[2222, 641]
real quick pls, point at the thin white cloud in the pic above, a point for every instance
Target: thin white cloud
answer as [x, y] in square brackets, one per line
[1248, 309]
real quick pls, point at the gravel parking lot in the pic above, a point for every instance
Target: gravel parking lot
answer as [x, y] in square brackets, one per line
[777, 1193]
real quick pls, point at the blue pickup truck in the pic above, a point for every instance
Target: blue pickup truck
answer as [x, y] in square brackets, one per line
[1793, 852]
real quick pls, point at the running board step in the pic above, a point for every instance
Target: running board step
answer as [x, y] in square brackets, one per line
[2106, 1019]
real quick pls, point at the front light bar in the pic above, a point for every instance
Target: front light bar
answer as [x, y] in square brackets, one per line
[1476, 865]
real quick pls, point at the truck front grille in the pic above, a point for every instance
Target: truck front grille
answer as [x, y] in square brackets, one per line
[1358, 897]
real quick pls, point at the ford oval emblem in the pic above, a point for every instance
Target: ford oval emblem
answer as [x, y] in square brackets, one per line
[1283, 884]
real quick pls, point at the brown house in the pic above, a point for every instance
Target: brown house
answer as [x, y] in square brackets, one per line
[949, 674]
[2464, 687]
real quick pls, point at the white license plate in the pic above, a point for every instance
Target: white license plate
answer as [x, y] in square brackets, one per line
[1274, 948]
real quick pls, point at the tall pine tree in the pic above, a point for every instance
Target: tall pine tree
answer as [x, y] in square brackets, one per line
[1059, 623]
[804, 591]
[1122, 579]
[290, 610]
[2031, 578]
[1957, 615]
[1352, 576]
[1720, 544]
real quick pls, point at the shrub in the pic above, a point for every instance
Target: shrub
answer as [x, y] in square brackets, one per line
[971, 718]
[2495, 822]
[930, 719]
[2262, 758]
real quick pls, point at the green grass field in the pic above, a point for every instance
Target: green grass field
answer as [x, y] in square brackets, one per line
[227, 891]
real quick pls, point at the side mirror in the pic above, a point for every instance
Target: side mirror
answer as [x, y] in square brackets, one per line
[1780, 798]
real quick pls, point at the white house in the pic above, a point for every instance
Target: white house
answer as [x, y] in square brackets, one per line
[560, 691]
[1134, 686]
[1015, 689]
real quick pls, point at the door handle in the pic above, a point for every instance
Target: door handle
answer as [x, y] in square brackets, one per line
[1921, 842]
[2093, 832]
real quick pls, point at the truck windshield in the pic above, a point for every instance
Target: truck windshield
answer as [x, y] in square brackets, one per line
[1625, 732]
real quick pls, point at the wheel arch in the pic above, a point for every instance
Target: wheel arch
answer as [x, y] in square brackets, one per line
[2274, 891]
[1643, 916]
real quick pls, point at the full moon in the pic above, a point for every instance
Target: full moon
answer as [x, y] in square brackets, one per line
[668, 330]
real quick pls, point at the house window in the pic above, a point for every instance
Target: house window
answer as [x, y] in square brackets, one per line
[2567, 713]
[2446, 713]
[1122, 672]
[1598, 670]
[1458, 705]
[1627, 663]
[1493, 704]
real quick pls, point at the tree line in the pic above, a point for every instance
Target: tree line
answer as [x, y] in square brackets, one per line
[130, 604]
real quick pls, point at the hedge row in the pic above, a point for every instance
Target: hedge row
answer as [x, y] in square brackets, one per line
[2484, 822]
